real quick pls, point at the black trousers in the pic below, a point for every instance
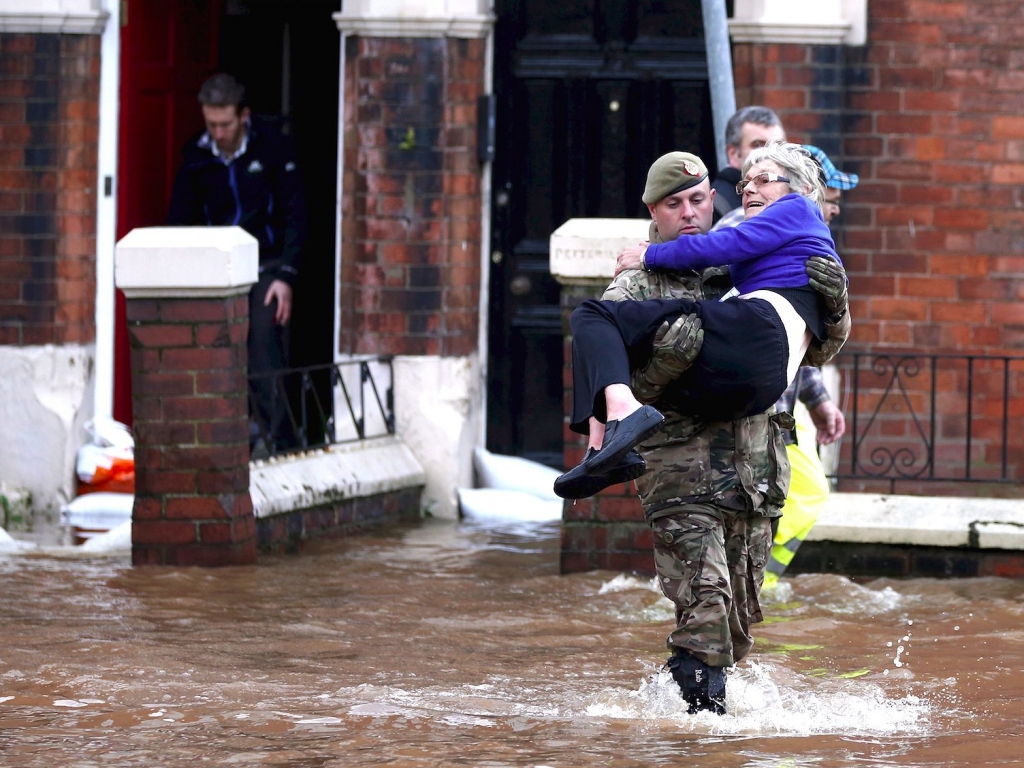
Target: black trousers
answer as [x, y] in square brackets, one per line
[268, 353]
[740, 371]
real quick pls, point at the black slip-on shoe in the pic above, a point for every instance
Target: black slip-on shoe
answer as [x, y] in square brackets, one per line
[621, 435]
[578, 484]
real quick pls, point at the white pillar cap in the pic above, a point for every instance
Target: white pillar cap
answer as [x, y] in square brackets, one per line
[185, 262]
[589, 247]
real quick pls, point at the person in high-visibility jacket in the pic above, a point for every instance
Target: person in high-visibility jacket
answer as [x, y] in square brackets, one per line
[808, 485]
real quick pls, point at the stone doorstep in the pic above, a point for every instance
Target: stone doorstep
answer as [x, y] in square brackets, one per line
[304, 481]
[856, 518]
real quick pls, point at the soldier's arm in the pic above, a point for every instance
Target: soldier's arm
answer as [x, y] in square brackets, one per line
[626, 287]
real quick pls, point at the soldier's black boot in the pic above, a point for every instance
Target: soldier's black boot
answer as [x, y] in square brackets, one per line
[703, 687]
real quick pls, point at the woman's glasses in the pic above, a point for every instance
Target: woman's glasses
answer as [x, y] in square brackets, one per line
[760, 180]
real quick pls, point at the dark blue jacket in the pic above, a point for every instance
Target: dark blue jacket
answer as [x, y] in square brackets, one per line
[260, 191]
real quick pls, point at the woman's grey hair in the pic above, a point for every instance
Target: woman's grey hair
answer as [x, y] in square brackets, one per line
[798, 166]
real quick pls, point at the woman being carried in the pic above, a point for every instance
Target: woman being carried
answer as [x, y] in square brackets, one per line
[753, 339]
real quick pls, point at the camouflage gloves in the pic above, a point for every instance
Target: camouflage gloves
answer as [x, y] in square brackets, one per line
[828, 278]
[676, 346]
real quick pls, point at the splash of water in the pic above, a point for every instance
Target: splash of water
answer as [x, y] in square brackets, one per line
[758, 702]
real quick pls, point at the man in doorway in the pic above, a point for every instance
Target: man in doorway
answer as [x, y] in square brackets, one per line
[711, 491]
[241, 171]
[748, 128]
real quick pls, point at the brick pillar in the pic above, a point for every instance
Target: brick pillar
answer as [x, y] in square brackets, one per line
[606, 531]
[410, 277]
[188, 317]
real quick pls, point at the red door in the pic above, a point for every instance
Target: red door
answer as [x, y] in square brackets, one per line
[168, 47]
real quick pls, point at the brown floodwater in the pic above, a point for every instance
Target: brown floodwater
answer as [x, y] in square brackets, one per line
[460, 644]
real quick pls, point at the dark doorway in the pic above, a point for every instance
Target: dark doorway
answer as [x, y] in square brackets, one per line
[287, 54]
[588, 95]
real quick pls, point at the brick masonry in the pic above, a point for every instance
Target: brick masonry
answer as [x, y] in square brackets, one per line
[606, 531]
[287, 532]
[411, 202]
[189, 393]
[49, 132]
[928, 114]
[893, 561]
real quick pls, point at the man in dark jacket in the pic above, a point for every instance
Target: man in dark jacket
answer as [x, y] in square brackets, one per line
[748, 128]
[242, 171]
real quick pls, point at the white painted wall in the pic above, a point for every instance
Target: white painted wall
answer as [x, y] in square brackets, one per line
[47, 393]
[106, 210]
[45, 399]
[438, 407]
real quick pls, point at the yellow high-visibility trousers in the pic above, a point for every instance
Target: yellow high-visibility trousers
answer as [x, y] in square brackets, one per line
[808, 494]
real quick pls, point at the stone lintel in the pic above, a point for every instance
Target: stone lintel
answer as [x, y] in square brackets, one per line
[587, 248]
[787, 32]
[416, 18]
[470, 28]
[807, 22]
[186, 262]
[65, 17]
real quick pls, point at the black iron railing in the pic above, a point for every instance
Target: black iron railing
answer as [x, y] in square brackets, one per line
[298, 409]
[918, 419]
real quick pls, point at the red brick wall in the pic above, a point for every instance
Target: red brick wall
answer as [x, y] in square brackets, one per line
[49, 123]
[411, 197]
[929, 114]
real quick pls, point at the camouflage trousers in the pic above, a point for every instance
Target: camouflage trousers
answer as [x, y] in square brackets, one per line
[710, 563]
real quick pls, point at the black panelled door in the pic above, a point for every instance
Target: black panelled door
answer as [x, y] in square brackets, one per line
[589, 94]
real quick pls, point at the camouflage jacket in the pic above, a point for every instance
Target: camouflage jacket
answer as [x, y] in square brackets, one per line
[741, 464]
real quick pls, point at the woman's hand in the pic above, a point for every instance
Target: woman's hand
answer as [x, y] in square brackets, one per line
[630, 258]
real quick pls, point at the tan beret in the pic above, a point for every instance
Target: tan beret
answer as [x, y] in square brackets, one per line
[673, 173]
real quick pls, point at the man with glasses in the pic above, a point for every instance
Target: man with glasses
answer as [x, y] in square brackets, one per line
[710, 490]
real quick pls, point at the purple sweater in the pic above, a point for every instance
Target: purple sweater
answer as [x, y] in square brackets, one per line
[767, 251]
